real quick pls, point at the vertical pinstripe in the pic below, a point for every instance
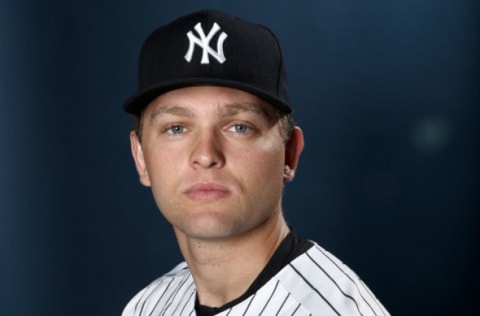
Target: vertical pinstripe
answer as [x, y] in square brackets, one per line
[315, 283]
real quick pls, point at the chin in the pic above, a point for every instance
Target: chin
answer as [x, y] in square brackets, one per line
[210, 229]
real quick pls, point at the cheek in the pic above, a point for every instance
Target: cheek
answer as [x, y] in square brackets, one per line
[161, 166]
[264, 164]
[164, 179]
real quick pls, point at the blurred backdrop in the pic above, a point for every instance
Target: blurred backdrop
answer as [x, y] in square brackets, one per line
[387, 93]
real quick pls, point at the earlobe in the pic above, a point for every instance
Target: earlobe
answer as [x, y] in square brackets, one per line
[288, 174]
[293, 149]
[137, 153]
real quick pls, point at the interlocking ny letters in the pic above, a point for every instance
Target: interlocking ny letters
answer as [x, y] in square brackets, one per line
[203, 41]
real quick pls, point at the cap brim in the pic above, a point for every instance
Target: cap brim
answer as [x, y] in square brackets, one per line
[136, 103]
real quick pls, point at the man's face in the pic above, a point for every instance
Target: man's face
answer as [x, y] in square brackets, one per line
[215, 160]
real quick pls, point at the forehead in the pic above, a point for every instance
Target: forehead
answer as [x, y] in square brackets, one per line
[198, 98]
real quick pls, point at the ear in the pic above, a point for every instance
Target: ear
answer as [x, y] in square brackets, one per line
[293, 149]
[137, 153]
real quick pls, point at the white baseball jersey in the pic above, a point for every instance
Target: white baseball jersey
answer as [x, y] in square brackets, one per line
[313, 283]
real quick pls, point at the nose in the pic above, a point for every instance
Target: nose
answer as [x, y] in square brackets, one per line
[207, 151]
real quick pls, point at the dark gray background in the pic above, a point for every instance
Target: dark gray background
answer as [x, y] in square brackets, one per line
[387, 93]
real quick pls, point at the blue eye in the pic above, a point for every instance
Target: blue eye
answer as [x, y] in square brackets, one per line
[176, 129]
[241, 128]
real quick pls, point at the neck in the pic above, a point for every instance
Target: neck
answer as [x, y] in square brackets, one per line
[223, 269]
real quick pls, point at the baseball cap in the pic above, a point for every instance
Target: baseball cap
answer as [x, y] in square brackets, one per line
[211, 47]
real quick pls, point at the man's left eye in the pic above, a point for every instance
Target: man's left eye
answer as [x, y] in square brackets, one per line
[241, 128]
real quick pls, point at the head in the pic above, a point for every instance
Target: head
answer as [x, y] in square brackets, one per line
[214, 135]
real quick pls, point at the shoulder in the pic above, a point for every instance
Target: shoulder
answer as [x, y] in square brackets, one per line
[322, 283]
[173, 290]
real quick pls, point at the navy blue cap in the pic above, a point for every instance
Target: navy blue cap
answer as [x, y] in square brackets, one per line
[211, 48]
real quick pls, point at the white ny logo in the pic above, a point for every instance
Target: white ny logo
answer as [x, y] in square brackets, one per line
[204, 42]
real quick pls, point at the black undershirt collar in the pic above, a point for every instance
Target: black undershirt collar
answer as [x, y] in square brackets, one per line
[290, 248]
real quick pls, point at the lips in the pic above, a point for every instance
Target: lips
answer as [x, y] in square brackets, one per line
[207, 192]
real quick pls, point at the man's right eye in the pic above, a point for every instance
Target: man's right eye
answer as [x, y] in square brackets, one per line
[175, 129]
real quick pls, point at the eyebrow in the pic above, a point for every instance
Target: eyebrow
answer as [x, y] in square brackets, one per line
[171, 109]
[236, 108]
[231, 109]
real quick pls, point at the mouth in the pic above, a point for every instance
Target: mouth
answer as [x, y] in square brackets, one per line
[207, 192]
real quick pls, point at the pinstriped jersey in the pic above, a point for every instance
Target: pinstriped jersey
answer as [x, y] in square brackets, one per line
[314, 283]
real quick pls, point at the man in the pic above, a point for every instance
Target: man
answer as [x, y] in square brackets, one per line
[215, 141]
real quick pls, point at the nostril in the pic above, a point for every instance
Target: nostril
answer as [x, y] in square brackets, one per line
[207, 153]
